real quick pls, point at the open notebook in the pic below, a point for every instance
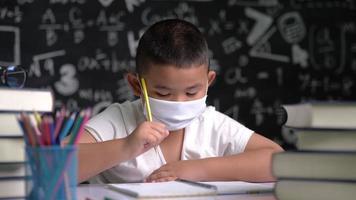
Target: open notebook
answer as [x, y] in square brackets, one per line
[164, 189]
[240, 187]
[182, 188]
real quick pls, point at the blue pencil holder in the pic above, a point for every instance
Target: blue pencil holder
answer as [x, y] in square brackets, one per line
[52, 172]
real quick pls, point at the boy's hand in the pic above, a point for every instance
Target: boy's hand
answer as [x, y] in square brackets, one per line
[146, 136]
[184, 169]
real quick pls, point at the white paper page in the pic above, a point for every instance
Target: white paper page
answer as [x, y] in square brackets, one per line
[86, 192]
[240, 187]
[163, 189]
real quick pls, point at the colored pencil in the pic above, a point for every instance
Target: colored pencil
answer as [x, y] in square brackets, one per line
[67, 126]
[81, 128]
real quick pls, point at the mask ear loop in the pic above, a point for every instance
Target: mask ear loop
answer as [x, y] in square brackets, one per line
[207, 87]
[139, 82]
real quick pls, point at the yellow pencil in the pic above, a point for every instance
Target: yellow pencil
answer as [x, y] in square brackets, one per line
[145, 96]
[148, 109]
[37, 117]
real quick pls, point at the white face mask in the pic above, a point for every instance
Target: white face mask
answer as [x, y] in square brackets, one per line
[175, 114]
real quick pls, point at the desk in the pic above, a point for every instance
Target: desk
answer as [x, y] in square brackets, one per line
[99, 192]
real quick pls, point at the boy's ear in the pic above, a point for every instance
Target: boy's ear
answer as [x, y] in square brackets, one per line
[211, 77]
[134, 83]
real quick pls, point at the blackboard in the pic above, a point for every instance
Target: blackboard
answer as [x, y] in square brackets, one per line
[265, 52]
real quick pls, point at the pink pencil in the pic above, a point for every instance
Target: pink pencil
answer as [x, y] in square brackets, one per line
[59, 121]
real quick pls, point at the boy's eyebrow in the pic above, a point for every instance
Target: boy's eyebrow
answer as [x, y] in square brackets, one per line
[198, 85]
[161, 87]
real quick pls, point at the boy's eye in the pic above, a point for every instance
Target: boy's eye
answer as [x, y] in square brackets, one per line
[162, 94]
[191, 93]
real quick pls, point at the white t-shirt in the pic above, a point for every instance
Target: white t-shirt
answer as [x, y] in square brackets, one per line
[211, 134]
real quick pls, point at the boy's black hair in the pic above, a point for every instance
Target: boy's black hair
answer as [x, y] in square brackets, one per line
[171, 42]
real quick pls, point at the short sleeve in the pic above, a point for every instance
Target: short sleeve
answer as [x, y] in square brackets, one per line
[106, 125]
[233, 136]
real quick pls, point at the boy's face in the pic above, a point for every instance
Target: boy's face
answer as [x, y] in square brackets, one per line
[175, 84]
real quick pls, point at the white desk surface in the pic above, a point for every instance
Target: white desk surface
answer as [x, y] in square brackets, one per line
[99, 192]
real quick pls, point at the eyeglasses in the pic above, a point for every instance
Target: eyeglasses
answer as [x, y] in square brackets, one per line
[12, 76]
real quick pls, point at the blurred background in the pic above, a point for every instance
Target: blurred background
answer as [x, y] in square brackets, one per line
[266, 52]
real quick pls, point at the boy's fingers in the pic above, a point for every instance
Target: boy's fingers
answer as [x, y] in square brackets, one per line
[159, 124]
[162, 175]
[154, 137]
[162, 169]
[157, 136]
[159, 127]
[165, 179]
[162, 131]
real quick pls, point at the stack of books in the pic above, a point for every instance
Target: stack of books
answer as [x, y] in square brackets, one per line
[324, 164]
[12, 157]
[12, 154]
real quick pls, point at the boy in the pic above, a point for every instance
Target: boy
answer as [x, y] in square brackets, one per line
[186, 139]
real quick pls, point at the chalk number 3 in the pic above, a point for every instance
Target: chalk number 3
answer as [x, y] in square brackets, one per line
[68, 83]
